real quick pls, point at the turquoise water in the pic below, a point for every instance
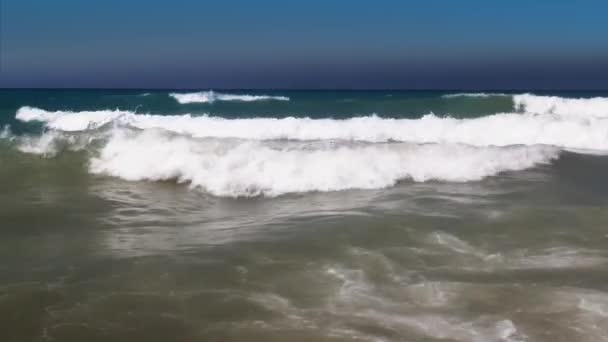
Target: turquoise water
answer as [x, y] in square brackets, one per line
[303, 216]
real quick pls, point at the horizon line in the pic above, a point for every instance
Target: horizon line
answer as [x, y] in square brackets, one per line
[306, 89]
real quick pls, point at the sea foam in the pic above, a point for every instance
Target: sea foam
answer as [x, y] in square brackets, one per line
[272, 156]
[250, 168]
[582, 107]
[482, 95]
[568, 131]
[211, 96]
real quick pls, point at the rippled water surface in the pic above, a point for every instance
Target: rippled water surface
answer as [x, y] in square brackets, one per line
[366, 247]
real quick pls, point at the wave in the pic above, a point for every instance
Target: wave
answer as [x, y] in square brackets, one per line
[260, 157]
[583, 107]
[211, 96]
[484, 95]
[538, 104]
[572, 132]
[271, 156]
[245, 168]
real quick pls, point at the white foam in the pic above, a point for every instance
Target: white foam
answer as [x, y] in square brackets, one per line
[45, 144]
[51, 143]
[211, 96]
[250, 168]
[71, 121]
[586, 133]
[582, 107]
[484, 95]
[538, 104]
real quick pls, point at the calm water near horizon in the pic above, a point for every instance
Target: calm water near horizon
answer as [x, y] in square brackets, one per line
[303, 216]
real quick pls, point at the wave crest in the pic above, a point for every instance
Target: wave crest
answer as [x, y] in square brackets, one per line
[211, 96]
[271, 156]
[238, 168]
[582, 107]
[573, 132]
[483, 95]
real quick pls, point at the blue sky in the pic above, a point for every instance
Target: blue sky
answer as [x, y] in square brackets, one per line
[304, 44]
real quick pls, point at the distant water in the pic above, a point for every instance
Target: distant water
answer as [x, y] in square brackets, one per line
[303, 216]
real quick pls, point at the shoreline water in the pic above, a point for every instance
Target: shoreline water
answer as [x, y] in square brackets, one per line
[483, 222]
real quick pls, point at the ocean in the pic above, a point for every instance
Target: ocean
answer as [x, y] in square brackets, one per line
[167, 215]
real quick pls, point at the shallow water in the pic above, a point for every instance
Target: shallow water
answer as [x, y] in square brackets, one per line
[517, 255]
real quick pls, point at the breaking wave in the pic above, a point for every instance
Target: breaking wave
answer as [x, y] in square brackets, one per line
[582, 107]
[484, 95]
[245, 168]
[573, 132]
[211, 96]
[271, 157]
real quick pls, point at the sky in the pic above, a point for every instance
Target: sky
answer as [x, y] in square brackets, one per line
[312, 44]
